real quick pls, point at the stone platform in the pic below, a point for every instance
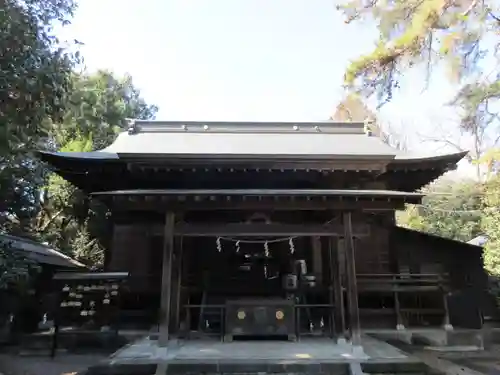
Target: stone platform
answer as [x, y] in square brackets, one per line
[315, 355]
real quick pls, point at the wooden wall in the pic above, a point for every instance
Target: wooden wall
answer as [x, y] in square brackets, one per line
[422, 253]
[373, 253]
[468, 299]
[131, 251]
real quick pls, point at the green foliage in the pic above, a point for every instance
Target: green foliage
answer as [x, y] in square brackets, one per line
[491, 224]
[64, 207]
[463, 210]
[416, 31]
[44, 104]
[455, 34]
[34, 70]
[34, 79]
[86, 247]
[452, 210]
[16, 271]
[98, 106]
[476, 101]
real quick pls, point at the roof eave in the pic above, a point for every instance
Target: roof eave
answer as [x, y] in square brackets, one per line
[40, 252]
[438, 238]
[98, 156]
[403, 160]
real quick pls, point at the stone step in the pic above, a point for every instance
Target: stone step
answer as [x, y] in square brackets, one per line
[196, 369]
[449, 338]
[454, 348]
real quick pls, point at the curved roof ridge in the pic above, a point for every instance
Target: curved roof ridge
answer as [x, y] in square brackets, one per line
[255, 127]
[321, 140]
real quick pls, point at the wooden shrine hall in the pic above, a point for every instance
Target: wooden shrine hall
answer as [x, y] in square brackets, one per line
[246, 231]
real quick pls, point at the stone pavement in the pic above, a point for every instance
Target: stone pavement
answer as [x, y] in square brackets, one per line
[313, 355]
[146, 350]
[64, 364]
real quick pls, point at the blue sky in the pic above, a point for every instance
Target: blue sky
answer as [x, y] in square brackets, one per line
[242, 59]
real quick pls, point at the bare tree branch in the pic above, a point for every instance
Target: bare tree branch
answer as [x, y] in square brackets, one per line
[472, 5]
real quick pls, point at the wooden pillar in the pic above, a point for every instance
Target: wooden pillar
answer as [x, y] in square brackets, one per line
[332, 297]
[397, 307]
[185, 293]
[316, 259]
[446, 323]
[166, 278]
[176, 285]
[336, 279]
[352, 288]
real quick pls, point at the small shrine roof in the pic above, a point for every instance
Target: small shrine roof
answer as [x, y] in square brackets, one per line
[38, 252]
[434, 237]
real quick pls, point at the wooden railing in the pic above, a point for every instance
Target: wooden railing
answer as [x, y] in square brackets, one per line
[326, 313]
[402, 282]
[395, 285]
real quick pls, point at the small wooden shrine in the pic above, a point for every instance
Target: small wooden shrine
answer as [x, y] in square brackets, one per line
[86, 302]
[250, 230]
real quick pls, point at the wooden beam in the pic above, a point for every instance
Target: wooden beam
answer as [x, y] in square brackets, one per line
[203, 163]
[122, 204]
[166, 278]
[262, 230]
[352, 288]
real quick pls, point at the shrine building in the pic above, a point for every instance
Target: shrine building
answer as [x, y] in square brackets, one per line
[246, 231]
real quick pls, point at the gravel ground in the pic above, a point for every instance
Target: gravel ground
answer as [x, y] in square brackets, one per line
[63, 364]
